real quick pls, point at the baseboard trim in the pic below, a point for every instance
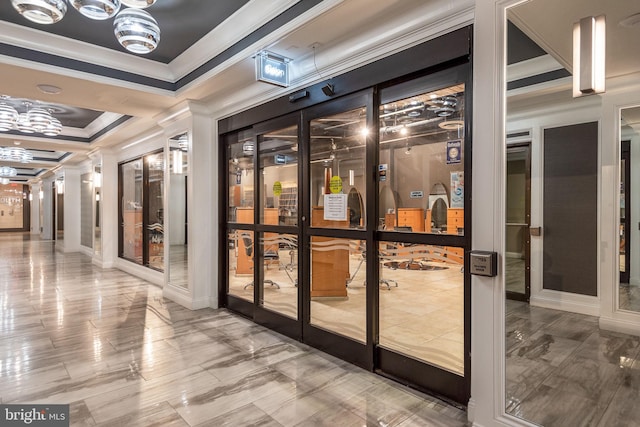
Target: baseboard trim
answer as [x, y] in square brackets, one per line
[620, 325]
[153, 276]
[567, 302]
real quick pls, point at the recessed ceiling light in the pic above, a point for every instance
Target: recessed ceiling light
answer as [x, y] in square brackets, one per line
[16, 143]
[49, 89]
[632, 21]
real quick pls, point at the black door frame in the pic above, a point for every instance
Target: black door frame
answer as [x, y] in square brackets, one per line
[443, 54]
[625, 154]
[517, 296]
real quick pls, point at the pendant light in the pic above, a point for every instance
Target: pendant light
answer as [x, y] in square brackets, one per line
[41, 11]
[8, 117]
[138, 4]
[97, 9]
[136, 31]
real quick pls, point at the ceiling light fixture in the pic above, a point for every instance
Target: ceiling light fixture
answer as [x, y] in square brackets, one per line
[97, 9]
[8, 172]
[41, 11]
[136, 30]
[32, 120]
[15, 154]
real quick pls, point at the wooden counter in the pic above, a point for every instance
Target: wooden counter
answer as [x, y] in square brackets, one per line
[329, 268]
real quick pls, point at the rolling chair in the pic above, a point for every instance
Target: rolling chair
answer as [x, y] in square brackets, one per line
[268, 256]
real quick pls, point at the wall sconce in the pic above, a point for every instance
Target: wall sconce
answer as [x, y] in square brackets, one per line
[41, 194]
[352, 177]
[30, 197]
[97, 179]
[589, 56]
[60, 187]
[177, 161]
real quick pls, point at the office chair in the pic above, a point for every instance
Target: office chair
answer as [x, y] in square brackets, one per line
[268, 256]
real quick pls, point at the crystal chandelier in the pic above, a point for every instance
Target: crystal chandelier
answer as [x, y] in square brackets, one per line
[136, 30]
[15, 154]
[7, 172]
[37, 119]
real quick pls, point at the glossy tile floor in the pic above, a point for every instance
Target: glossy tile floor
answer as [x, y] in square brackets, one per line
[564, 371]
[109, 345]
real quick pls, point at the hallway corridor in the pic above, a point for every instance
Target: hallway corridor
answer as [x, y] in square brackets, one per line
[112, 347]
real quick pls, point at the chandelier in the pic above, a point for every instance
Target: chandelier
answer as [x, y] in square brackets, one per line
[15, 154]
[6, 173]
[32, 120]
[136, 30]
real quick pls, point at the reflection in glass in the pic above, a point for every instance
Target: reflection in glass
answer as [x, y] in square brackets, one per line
[338, 292]
[240, 152]
[11, 206]
[58, 190]
[338, 183]
[155, 212]
[132, 210]
[422, 163]
[178, 227]
[279, 176]
[240, 244]
[517, 232]
[629, 247]
[86, 210]
[280, 272]
[424, 316]
[97, 185]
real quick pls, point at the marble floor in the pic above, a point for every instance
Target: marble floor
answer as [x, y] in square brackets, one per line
[562, 370]
[109, 345]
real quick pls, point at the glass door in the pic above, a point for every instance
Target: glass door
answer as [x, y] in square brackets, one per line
[625, 208]
[263, 220]
[336, 295]
[423, 234]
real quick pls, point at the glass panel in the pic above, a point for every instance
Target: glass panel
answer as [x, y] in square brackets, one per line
[86, 210]
[338, 183]
[279, 177]
[132, 210]
[97, 185]
[421, 169]
[178, 167]
[240, 152]
[59, 195]
[155, 213]
[623, 231]
[338, 294]
[517, 227]
[629, 247]
[280, 272]
[241, 264]
[422, 308]
[11, 206]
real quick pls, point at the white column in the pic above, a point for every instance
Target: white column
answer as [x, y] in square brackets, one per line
[35, 207]
[109, 209]
[487, 404]
[48, 221]
[72, 182]
[203, 210]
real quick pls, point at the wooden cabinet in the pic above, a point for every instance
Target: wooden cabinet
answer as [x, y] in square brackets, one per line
[329, 268]
[455, 221]
[244, 261]
[411, 217]
[455, 225]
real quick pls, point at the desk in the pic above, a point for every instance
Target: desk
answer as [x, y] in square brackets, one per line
[329, 268]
